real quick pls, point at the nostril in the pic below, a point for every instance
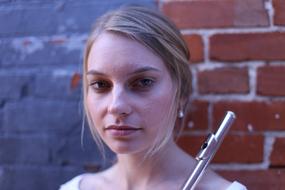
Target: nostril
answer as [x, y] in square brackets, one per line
[120, 110]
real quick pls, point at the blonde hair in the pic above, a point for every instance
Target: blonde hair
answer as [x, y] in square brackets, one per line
[158, 34]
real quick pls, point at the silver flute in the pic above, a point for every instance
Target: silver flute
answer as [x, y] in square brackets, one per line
[208, 150]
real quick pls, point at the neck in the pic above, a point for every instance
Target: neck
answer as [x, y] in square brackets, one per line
[136, 171]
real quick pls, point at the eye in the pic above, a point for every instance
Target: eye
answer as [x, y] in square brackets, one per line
[100, 85]
[142, 84]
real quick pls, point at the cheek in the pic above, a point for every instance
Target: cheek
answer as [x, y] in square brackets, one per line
[159, 109]
[94, 108]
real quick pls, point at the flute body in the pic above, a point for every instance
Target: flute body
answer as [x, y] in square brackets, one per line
[208, 150]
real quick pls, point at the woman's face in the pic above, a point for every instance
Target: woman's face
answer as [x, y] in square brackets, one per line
[130, 93]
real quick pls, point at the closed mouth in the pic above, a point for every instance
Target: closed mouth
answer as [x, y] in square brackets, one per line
[122, 131]
[121, 128]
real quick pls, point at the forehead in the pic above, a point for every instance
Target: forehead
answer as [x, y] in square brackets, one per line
[112, 50]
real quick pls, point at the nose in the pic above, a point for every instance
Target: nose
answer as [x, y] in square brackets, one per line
[119, 104]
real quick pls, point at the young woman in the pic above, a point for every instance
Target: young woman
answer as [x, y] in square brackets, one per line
[136, 87]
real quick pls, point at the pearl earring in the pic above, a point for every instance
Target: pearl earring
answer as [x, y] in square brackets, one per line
[180, 114]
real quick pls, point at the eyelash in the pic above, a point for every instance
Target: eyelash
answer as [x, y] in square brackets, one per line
[141, 84]
[100, 85]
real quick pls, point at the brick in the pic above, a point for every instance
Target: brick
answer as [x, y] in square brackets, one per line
[248, 46]
[41, 52]
[250, 146]
[41, 116]
[279, 14]
[258, 179]
[270, 81]
[71, 17]
[277, 157]
[27, 178]
[220, 13]
[197, 117]
[76, 80]
[1, 120]
[223, 81]
[21, 150]
[13, 85]
[241, 149]
[4, 1]
[191, 144]
[252, 116]
[57, 85]
[196, 47]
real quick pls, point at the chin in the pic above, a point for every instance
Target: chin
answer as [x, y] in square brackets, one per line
[125, 148]
[122, 149]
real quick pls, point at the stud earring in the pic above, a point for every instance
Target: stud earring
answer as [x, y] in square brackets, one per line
[180, 114]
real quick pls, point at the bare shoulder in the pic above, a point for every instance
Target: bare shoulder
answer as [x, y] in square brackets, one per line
[96, 181]
[212, 179]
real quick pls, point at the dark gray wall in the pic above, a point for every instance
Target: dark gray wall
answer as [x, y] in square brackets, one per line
[41, 46]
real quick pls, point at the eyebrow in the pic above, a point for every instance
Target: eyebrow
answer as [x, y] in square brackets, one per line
[140, 70]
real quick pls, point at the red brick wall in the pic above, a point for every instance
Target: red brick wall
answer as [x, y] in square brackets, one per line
[238, 63]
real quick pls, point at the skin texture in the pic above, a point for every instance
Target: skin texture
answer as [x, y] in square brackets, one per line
[131, 81]
[130, 87]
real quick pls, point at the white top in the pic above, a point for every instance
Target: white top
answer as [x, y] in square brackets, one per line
[74, 185]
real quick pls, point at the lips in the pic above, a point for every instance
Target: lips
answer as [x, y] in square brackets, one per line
[122, 130]
[121, 127]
